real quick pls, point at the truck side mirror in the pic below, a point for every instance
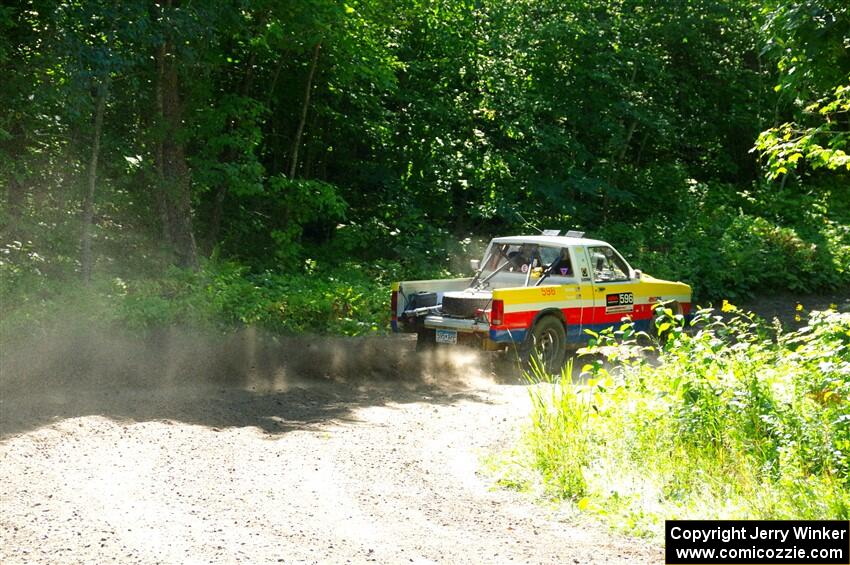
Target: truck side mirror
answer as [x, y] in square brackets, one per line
[638, 274]
[475, 264]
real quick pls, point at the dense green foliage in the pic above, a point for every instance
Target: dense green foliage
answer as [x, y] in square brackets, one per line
[291, 139]
[734, 419]
[811, 40]
[349, 301]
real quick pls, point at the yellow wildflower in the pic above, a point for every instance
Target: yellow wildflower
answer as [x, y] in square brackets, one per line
[799, 307]
[727, 306]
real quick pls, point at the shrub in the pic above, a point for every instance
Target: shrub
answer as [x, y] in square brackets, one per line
[346, 302]
[730, 419]
[730, 253]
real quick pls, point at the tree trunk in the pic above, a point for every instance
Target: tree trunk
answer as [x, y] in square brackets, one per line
[228, 157]
[215, 216]
[273, 87]
[14, 197]
[68, 179]
[312, 150]
[161, 195]
[640, 150]
[629, 133]
[86, 260]
[173, 169]
[15, 189]
[15, 192]
[293, 166]
[177, 180]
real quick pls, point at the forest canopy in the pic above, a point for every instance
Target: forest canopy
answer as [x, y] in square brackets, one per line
[233, 153]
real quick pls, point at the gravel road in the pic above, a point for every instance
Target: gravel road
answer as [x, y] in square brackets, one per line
[311, 470]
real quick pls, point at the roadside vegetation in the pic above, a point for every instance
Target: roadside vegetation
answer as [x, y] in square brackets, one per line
[729, 419]
[220, 296]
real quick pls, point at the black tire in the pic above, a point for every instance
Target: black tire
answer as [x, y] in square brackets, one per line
[545, 346]
[426, 339]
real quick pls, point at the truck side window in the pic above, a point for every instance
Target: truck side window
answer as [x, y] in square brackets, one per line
[607, 266]
[556, 261]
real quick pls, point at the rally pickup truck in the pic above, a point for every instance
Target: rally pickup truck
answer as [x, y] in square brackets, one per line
[535, 294]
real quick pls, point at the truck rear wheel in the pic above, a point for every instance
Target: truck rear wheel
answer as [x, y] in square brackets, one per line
[426, 339]
[545, 346]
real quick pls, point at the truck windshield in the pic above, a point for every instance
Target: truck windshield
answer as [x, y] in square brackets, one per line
[536, 263]
[511, 258]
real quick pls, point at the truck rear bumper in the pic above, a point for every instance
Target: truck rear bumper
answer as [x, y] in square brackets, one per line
[470, 332]
[460, 324]
[496, 338]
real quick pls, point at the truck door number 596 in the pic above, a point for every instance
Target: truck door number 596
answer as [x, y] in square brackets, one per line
[619, 303]
[547, 291]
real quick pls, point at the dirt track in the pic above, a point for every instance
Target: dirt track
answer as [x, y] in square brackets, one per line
[248, 449]
[309, 471]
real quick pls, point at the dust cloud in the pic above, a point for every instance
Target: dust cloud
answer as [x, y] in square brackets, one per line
[78, 370]
[77, 356]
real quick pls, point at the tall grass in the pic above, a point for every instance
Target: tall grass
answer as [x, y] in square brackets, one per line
[730, 419]
[560, 435]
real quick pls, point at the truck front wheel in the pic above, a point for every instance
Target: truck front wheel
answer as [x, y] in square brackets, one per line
[546, 346]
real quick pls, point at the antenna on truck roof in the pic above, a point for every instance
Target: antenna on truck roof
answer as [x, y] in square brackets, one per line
[526, 222]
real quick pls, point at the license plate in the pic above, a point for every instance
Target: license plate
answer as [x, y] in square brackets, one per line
[447, 336]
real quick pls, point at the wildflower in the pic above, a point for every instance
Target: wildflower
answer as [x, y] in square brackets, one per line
[833, 306]
[728, 307]
[797, 318]
[799, 307]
